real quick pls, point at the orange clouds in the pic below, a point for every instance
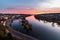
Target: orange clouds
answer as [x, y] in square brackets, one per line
[53, 10]
[30, 11]
[20, 11]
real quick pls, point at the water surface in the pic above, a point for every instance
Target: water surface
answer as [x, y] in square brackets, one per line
[41, 30]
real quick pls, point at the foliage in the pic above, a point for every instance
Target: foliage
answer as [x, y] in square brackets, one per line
[3, 34]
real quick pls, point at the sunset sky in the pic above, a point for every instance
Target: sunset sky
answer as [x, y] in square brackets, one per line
[29, 6]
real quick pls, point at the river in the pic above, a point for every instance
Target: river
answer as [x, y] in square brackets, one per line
[41, 30]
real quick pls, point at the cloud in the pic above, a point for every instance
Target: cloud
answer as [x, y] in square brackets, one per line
[49, 4]
[30, 4]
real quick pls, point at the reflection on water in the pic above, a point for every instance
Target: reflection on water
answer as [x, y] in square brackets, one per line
[49, 18]
[42, 30]
[52, 23]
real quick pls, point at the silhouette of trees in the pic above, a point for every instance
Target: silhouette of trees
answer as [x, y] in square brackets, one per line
[26, 24]
[3, 34]
[49, 18]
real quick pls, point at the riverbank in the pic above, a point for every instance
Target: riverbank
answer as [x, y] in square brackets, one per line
[55, 18]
